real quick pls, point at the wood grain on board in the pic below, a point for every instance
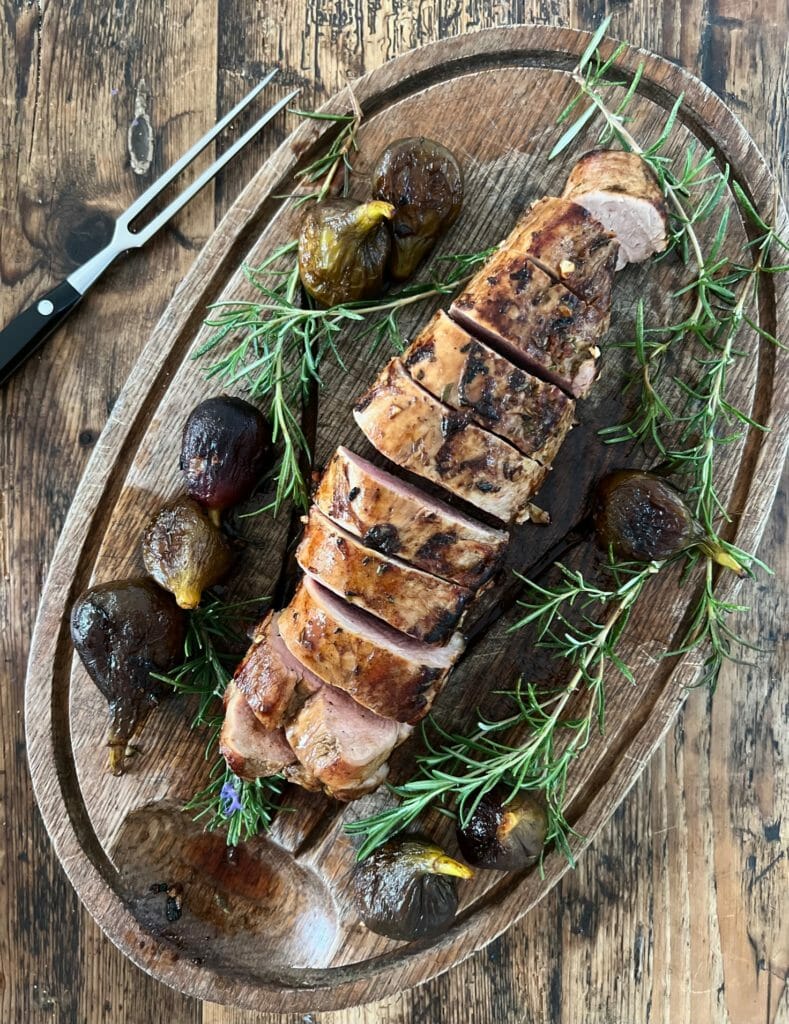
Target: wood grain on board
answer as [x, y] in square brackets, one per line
[640, 931]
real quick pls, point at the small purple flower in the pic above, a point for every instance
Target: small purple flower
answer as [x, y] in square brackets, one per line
[228, 797]
[113, 92]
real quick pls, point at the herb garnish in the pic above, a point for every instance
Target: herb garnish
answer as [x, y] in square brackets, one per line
[279, 341]
[686, 434]
[211, 651]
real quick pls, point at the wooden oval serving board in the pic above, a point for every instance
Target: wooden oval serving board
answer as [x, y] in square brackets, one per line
[272, 928]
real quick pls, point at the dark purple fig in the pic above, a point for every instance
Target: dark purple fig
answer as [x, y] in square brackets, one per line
[225, 450]
[343, 250]
[424, 183]
[504, 834]
[123, 632]
[185, 551]
[407, 889]
[641, 518]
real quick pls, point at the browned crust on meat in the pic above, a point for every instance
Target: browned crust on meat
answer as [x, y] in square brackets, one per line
[570, 245]
[513, 302]
[390, 685]
[458, 369]
[250, 750]
[418, 604]
[396, 524]
[273, 689]
[416, 431]
[613, 170]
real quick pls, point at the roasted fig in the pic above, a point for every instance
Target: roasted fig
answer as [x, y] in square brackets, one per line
[406, 889]
[184, 551]
[344, 249]
[504, 834]
[124, 631]
[225, 450]
[641, 517]
[424, 183]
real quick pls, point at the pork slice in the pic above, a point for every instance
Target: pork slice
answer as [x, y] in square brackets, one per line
[342, 745]
[418, 604]
[539, 324]
[416, 431]
[389, 673]
[250, 750]
[570, 245]
[274, 683]
[453, 366]
[396, 518]
[623, 194]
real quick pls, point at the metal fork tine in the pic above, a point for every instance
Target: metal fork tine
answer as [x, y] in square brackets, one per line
[138, 238]
[150, 193]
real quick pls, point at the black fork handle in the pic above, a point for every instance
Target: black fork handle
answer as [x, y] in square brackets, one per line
[33, 325]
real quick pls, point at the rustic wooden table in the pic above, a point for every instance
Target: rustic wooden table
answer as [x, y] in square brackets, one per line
[679, 911]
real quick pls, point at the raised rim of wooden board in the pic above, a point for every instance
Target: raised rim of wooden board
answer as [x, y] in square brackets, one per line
[46, 704]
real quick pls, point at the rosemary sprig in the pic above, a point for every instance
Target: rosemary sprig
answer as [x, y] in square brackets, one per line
[324, 169]
[279, 344]
[465, 768]
[211, 649]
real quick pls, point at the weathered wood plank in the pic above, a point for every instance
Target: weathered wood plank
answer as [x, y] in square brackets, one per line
[744, 47]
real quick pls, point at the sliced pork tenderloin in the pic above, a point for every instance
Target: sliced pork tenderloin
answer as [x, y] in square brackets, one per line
[391, 674]
[624, 195]
[543, 326]
[274, 683]
[422, 606]
[570, 245]
[396, 518]
[342, 745]
[250, 750]
[465, 374]
[419, 433]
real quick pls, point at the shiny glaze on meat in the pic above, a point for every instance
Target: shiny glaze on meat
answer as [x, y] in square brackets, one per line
[416, 603]
[501, 397]
[416, 431]
[389, 673]
[251, 751]
[395, 518]
[274, 683]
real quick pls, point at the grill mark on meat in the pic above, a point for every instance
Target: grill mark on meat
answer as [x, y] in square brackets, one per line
[416, 603]
[419, 433]
[383, 537]
[543, 327]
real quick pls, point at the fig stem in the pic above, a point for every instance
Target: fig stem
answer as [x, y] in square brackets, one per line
[187, 597]
[368, 215]
[444, 865]
[116, 756]
[722, 557]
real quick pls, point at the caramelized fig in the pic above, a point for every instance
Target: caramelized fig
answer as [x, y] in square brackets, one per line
[641, 517]
[406, 889]
[124, 631]
[225, 448]
[504, 834]
[185, 551]
[424, 183]
[343, 250]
